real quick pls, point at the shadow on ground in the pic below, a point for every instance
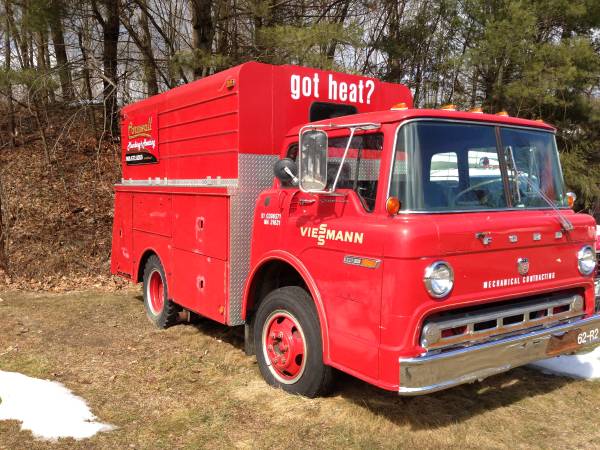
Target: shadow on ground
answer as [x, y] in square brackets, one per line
[430, 411]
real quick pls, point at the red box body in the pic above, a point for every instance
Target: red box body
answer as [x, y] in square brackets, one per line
[194, 161]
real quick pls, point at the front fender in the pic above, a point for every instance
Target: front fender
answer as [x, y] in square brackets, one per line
[280, 255]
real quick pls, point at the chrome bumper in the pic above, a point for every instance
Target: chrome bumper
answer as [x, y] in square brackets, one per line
[430, 373]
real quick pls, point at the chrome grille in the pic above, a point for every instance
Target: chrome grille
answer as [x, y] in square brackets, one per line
[451, 330]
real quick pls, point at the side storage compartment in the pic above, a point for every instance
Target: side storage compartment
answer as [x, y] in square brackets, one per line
[121, 262]
[152, 213]
[200, 253]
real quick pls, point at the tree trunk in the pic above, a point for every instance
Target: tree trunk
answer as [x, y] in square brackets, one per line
[44, 93]
[202, 32]
[7, 63]
[86, 81]
[149, 62]
[58, 40]
[110, 39]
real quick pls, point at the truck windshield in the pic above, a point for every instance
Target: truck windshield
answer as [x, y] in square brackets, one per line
[453, 166]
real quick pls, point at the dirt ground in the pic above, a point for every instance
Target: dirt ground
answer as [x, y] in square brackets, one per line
[191, 386]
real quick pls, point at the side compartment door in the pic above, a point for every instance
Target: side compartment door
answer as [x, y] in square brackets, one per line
[200, 253]
[121, 262]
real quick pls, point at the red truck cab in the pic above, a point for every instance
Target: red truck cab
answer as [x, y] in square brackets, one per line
[415, 249]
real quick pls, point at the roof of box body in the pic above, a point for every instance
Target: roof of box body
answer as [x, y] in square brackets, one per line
[407, 114]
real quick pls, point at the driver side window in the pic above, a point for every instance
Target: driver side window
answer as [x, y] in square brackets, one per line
[360, 171]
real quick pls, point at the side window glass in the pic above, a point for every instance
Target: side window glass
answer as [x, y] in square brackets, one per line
[292, 151]
[360, 171]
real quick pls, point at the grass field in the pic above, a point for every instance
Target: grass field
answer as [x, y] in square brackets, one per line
[191, 386]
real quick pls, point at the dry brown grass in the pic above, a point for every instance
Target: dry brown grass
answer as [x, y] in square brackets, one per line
[192, 387]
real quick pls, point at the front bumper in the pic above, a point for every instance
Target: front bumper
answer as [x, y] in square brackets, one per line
[430, 373]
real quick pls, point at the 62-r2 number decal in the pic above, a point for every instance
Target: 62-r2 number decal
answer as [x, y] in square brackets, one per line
[588, 337]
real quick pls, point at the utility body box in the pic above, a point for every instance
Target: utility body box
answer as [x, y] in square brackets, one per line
[195, 159]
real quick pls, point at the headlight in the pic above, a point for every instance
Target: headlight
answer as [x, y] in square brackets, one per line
[439, 279]
[586, 259]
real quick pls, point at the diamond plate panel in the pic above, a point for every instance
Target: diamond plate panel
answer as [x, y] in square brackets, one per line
[255, 175]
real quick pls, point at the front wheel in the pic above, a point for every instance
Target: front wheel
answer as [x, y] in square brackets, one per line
[288, 343]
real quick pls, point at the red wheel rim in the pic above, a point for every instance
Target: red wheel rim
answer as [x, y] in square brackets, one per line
[284, 346]
[156, 294]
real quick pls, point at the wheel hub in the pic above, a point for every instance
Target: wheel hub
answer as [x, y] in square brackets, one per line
[156, 295]
[285, 349]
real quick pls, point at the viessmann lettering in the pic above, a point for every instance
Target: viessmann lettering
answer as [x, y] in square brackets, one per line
[308, 86]
[322, 233]
[515, 281]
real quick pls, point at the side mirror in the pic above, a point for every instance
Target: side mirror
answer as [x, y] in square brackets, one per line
[313, 161]
[285, 170]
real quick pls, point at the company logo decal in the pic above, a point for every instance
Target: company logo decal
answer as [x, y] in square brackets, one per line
[516, 281]
[143, 130]
[523, 266]
[141, 145]
[322, 233]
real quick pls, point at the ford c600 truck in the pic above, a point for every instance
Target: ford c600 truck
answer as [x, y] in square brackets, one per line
[415, 249]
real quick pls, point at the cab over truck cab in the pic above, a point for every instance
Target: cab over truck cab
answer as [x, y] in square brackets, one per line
[414, 249]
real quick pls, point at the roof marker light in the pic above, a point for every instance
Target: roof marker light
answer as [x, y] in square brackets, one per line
[399, 107]
[476, 110]
[449, 107]
[502, 113]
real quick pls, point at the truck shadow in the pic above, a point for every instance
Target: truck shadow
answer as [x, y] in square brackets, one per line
[452, 405]
[422, 412]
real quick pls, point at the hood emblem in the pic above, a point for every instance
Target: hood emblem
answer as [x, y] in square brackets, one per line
[523, 266]
[485, 238]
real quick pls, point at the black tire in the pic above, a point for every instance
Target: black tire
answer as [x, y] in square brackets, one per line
[292, 308]
[161, 311]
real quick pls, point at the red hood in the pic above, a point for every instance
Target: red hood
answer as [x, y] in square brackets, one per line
[598, 238]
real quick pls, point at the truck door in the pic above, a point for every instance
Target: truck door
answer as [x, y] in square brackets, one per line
[336, 236]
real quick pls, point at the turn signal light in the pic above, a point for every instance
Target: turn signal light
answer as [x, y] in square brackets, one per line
[399, 107]
[392, 206]
[502, 113]
[571, 197]
[230, 83]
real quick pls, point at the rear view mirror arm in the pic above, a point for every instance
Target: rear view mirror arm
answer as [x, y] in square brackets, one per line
[339, 171]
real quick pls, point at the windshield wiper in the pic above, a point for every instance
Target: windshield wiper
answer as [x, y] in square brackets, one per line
[510, 160]
[566, 223]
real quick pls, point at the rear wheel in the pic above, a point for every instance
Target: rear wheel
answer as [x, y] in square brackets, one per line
[288, 343]
[160, 310]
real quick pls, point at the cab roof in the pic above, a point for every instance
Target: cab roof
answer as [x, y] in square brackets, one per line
[410, 113]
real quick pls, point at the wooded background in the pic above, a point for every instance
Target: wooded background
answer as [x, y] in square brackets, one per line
[68, 66]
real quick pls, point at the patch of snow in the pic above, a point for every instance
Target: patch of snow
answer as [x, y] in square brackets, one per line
[46, 408]
[585, 366]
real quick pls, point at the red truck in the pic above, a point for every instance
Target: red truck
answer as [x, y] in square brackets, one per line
[415, 249]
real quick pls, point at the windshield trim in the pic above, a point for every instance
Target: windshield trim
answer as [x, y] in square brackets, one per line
[472, 122]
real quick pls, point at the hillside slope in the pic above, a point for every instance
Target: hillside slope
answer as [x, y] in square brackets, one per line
[58, 216]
